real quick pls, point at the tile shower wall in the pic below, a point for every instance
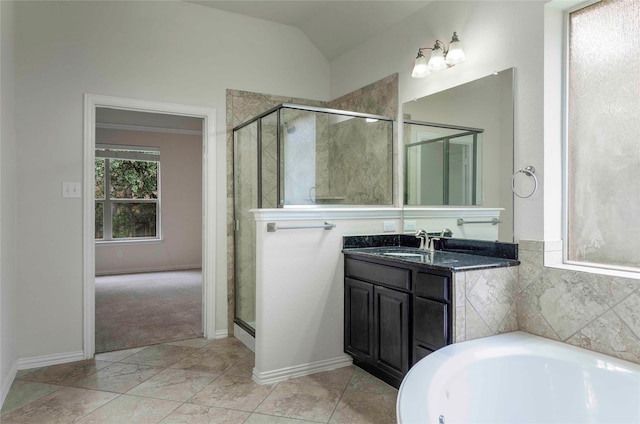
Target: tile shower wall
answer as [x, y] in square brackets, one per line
[592, 311]
[369, 142]
[379, 98]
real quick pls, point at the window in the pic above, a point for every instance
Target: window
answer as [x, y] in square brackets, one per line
[127, 193]
[602, 143]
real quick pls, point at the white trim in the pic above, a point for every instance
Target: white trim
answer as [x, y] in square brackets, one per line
[315, 213]
[103, 125]
[143, 270]
[8, 381]
[410, 213]
[209, 197]
[553, 254]
[221, 334]
[282, 374]
[47, 360]
[247, 339]
[129, 242]
[556, 259]
[299, 214]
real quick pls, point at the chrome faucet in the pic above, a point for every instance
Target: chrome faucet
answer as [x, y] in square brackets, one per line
[422, 235]
[431, 245]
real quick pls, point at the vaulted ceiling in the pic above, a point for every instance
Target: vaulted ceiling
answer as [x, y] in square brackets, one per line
[333, 26]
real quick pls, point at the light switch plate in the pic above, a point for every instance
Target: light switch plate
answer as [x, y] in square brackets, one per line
[410, 226]
[71, 189]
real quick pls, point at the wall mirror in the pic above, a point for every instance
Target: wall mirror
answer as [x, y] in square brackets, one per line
[458, 146]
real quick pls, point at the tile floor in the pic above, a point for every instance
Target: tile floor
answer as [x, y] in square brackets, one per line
[195, 381]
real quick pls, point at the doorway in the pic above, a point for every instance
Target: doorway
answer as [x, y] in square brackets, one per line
[148, 228]
[150, 231]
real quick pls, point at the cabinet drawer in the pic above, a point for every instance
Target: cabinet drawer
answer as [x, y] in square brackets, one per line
[430, 323]
[382, 274]
[433, 286]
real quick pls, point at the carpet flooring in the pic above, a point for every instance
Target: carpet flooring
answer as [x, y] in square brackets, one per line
[143, 309]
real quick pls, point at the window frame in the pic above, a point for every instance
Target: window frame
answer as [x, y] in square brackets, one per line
[107, 202]
[585, 266]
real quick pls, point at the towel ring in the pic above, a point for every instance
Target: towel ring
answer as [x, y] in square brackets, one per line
[530, 171]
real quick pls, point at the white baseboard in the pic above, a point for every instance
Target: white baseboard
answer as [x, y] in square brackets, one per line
[7, 382]
[247, 339]
[282, 374]
[143, 270]
[221, 334]
[35, 362]
[46, 360]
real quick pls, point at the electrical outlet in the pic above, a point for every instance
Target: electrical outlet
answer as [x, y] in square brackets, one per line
[410, 226]
[119, 254]
[388, 226]
[70, 189]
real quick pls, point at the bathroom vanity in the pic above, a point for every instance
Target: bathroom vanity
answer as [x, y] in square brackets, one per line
[402, 303]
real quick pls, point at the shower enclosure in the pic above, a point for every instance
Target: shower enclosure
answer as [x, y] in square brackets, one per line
[292, 156]
[443, 164]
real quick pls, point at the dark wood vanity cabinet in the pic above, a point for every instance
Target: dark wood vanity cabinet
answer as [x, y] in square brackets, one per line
[432, 313]
[394, 315]
[377, 327]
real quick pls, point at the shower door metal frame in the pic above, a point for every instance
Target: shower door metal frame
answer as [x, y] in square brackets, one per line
[445, 156]
[279, 185]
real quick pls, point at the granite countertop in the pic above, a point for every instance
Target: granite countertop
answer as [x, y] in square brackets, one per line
[440, 259]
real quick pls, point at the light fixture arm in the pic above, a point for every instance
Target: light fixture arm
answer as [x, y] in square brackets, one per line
[437, 45]
[438, 59]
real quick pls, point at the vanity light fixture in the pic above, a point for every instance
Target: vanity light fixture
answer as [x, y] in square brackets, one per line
[440, 58]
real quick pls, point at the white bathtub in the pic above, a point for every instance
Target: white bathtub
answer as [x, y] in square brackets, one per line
[519, 378]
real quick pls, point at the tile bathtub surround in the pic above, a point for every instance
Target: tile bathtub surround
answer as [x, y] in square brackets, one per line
[485, 302]
[192, 381]
[592, 311]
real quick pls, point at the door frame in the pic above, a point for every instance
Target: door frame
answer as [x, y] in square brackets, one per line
[209, 195]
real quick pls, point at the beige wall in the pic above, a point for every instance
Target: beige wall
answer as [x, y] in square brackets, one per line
[170, 51]
[8, 212]
[181, 203]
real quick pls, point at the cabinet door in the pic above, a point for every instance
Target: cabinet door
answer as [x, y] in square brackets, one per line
[431, 323]
[358, 319]
[391, 324]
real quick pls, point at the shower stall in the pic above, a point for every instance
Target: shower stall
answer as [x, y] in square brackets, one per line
[302, 156]
[443, 164]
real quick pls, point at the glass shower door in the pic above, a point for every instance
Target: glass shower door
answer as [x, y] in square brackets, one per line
[246, 195]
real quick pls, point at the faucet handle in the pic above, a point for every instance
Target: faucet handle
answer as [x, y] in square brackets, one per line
[431, 245]
[422, 235]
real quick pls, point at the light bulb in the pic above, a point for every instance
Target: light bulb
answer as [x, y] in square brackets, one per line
[455, 54]
[420, 69]
[436, 61]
